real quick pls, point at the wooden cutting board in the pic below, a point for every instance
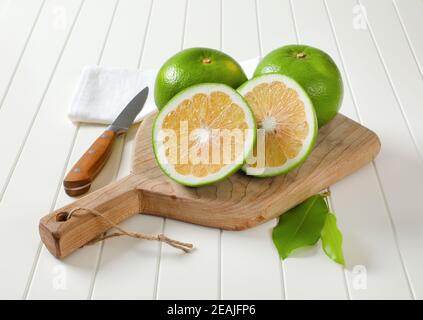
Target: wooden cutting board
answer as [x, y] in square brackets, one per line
[236, 203]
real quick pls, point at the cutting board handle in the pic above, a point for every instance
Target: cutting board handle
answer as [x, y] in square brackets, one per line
[63, 233]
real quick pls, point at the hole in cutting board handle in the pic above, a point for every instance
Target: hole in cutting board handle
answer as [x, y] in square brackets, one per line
[62, 216]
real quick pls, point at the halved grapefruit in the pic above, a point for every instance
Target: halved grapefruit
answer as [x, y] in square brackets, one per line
[286, 121]
[203, 134]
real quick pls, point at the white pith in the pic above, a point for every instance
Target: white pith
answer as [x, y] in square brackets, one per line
[203, 135]
[269, 125]
[172, 105]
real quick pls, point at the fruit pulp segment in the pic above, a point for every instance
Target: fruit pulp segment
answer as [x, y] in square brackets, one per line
[279, 111]
[214, 128]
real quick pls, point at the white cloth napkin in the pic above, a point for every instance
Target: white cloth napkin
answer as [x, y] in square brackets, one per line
[102, 92]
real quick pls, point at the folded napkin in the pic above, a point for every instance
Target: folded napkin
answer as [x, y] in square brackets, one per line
[102, 92]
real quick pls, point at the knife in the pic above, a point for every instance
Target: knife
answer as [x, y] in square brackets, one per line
[79, 178]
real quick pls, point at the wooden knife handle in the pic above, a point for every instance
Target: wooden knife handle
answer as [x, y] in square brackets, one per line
[79, 178]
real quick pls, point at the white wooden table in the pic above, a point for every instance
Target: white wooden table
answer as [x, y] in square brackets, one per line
[44, 44]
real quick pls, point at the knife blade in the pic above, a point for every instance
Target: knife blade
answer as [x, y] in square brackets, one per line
[79, 178]
[129, 113]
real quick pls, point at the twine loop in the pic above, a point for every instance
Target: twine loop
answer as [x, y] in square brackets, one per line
[76, 212]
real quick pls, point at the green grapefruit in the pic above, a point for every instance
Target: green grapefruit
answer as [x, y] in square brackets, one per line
[203, 134]
[314, 70]
[286, 122]
[194, 66]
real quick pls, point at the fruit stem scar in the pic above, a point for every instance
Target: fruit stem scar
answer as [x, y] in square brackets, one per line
[301, 55]
[207, 60]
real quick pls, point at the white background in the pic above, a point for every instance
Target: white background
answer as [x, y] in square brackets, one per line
[44, 45]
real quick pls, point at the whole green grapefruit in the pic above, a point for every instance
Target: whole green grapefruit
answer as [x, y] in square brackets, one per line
[194, 66]
[314, 70]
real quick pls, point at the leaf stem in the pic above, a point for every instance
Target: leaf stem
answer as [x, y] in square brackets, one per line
[325, 194]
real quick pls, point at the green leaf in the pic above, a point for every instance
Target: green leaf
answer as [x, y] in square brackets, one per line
[300, 226]
[332, 239]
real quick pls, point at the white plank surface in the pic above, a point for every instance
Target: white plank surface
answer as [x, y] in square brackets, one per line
[13, 44]
[70, 278]
[398, 165]
[315, 277]
[47, 44]
[314, 28]
[128, 267]
[128, 21]
[33, 75]
[401, 68]
[180, 275]
[410, 14]
[250, 265]
[21, 216]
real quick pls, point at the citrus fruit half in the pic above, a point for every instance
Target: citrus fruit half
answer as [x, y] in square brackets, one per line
[314, 70]
[286, 122]
[203, 134]
[194, 66]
